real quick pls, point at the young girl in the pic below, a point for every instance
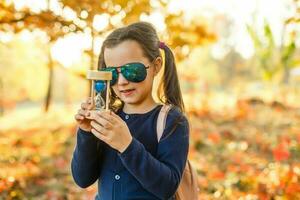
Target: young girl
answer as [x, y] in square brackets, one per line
[119, 148]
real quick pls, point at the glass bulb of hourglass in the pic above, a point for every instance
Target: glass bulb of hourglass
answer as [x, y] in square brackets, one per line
[99, 102]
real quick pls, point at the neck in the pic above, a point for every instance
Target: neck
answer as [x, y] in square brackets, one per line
[141, 108]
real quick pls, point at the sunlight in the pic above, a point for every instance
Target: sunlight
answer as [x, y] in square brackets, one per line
[26, 35]
[245, 12]
[101, 22]
[68, 50]
[157, 19]
[69, 14]
[5, 37]
[35, 5]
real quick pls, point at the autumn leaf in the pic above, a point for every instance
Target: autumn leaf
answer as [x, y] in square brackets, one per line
[281, 152]
[214, 137]
[217, 175]
[292, 188]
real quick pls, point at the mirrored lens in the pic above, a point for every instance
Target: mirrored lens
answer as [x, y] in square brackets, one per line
[114, 74]
[134, 72]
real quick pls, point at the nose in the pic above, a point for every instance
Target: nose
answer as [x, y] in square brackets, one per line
[122, 80]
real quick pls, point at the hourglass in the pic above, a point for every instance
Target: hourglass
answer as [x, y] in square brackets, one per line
[100, 82]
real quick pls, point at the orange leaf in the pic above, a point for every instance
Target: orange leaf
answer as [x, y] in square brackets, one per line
[281, 152]
[214, 137]
[292, 188]
[218, 175]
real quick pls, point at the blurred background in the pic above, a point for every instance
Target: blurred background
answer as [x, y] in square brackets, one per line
[239, 69]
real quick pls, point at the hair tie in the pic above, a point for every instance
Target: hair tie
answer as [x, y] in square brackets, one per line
[162, 45]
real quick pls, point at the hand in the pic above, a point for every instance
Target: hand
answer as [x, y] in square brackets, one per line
[80, 117]
[110, 128]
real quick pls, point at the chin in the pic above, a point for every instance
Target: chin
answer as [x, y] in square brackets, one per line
[129, 100]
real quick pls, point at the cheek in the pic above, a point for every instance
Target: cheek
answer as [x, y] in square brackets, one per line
[146, 84]
[150, 74]
[149, 79]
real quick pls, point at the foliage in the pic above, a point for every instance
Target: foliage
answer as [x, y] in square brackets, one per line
[272, 58]
[23, 72]
[249, 152]
[179, 34]
[265, 50]
[12, 20]
[56, 24]
[238, 153]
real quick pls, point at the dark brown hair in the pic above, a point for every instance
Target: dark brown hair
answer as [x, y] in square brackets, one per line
[145, 34]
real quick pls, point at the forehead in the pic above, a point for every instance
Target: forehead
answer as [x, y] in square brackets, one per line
[125, 52]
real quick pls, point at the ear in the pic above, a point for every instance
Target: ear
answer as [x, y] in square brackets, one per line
[157, 65]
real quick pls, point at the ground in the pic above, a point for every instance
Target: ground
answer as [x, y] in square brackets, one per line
[250, 151]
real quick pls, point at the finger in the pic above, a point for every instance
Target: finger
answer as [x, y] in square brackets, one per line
[87, 104]
[107, 116]
[82, 112]
[99, 135]
[99, 128]
[88, 100]
[84, 106]
[90, 103]
[78, 117]
[116, 117]
[103, 121]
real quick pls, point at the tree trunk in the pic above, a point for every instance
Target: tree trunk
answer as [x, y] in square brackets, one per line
[286, 75]
[1, 98]
[49, 89]
[50, 67]
[286, 70]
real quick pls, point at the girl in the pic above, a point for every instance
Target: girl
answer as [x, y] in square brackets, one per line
[120, 148]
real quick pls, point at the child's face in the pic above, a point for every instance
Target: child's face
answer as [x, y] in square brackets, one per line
[132, 93]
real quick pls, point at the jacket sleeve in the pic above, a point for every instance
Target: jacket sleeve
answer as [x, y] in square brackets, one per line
[85, 164]
[160, 175]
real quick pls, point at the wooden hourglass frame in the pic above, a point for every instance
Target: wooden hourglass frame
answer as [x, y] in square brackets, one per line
[95, 75]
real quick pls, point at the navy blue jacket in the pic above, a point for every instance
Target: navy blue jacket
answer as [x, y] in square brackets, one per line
[146, 170]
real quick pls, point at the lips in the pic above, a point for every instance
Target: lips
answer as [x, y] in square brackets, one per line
[127, 92]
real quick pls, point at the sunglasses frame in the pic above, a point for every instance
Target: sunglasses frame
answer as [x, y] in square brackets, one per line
[118, 70]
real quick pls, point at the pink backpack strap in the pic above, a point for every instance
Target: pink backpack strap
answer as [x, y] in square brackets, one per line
[161, 120]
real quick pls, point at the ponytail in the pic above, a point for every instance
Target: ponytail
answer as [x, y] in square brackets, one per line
[170, 83]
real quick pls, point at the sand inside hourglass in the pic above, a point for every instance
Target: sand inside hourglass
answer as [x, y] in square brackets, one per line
[99, 105]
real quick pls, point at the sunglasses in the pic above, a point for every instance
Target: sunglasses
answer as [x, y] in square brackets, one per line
[134, 72]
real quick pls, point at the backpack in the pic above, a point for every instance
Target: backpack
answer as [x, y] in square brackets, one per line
[188, 188]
